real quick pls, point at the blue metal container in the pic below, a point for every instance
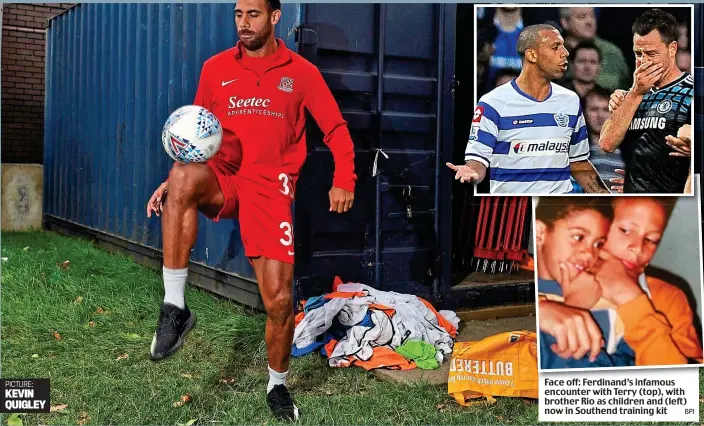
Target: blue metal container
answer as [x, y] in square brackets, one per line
[395, 93]
[116, 71]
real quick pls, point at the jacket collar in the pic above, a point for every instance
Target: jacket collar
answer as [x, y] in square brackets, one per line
[283, 53]
[643, 282]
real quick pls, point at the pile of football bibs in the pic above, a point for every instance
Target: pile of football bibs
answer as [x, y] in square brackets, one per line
[359, 325]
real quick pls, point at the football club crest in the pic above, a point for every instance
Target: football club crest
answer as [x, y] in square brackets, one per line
[286, 84]
[664, 106]
[561, 119]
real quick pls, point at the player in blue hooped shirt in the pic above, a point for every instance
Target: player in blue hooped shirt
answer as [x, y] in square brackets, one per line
[529, 135]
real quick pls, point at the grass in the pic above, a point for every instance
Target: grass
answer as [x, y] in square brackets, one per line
[222, 366]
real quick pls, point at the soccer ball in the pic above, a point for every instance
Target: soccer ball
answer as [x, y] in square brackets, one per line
[192, 134]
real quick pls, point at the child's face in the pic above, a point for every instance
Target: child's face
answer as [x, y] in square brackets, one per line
[574, 240]
[639, 223]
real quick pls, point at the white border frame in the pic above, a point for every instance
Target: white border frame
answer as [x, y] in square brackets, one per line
[557, 5]
[696, 188]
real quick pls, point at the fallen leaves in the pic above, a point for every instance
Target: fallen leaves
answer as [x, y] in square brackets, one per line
[35, 356]
[55, 408]
[57, 336]
[14, 420]
[185, 399]
[99, 310]
[187, 375]
[227, 381]
[83, 418]
[63, 265]
[91, 324]
[78, 300]
[188, 423]
[123, 356]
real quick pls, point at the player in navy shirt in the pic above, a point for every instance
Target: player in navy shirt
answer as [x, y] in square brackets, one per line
[649, 116]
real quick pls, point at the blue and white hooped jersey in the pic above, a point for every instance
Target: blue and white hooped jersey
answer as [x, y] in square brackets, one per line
[527, 144]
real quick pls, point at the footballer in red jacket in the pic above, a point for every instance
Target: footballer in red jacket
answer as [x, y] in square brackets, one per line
[259, 90]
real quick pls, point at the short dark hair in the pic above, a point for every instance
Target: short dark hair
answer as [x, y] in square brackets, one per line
[528, 38]
[586, 44]
[273, 4]
[657, 19]
[551, 209]
[596, 91]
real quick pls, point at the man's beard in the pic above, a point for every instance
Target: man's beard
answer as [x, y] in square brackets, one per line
[259, 40]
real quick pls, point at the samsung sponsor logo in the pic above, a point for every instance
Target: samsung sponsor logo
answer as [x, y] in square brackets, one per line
[648, 123]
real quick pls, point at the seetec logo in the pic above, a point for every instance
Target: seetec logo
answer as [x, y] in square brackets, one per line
[540, 148]
[251, 102]
[251, 106]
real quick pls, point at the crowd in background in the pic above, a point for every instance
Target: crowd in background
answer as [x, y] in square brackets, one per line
[601, 58]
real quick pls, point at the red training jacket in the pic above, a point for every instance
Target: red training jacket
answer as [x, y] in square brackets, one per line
[263, 117]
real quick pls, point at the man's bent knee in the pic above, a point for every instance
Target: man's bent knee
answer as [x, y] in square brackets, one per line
[279, 310]
[186, 181]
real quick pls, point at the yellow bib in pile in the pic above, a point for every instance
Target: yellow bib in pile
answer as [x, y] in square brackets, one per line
[505, 364]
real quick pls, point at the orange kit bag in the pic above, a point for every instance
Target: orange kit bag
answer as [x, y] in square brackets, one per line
[505, 364]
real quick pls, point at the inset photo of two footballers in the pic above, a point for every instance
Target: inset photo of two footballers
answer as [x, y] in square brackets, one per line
[590, 99]
[589, 109]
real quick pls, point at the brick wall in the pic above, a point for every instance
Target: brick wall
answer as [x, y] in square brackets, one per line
[23, 44]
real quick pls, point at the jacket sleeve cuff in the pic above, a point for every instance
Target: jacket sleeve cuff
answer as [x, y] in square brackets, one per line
[347, 184]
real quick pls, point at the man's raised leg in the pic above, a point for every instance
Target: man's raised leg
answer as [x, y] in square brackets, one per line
[191, 187]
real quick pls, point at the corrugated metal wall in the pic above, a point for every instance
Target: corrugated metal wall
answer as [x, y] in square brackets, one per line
[114, 74]
[395, 92]
[116, 71]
